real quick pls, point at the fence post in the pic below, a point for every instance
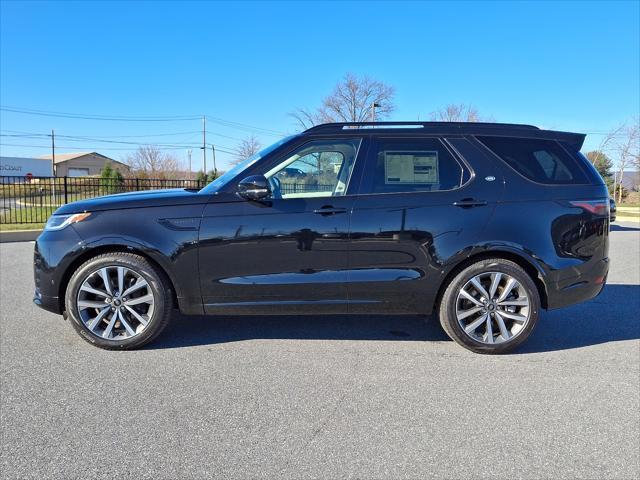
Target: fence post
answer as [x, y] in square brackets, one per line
[137, 184]
[66, 199]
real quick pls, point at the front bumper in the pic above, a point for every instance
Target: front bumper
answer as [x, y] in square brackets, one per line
[53, 253]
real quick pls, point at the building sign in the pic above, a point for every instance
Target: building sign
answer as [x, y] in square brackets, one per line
[20, 167]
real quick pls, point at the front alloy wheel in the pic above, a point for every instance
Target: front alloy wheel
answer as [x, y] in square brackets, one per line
[115, 302]
[118, 301]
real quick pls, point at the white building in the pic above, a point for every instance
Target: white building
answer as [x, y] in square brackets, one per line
[25, 167]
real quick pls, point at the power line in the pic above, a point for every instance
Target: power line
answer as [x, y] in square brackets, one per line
[85, 148]
[115, 118]
[190, 132]
[152, 118]
[75, 138]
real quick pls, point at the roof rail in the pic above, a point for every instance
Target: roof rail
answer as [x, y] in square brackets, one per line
[341, 126]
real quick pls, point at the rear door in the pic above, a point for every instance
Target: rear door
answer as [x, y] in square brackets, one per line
[419, 209]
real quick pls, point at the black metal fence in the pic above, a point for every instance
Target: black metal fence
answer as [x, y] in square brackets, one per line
[34, 200]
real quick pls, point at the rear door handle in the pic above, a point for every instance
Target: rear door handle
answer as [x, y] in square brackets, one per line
[329, 210]
[469, 203]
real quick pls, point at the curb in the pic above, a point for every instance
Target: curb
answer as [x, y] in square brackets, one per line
[19, 236]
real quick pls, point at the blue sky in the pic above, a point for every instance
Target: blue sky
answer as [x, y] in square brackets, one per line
[569, 66]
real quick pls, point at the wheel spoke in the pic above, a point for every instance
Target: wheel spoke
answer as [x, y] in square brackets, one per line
[506, 335]
[91, 304]
[470, 297]
[96, 321]
[105, 279]
[89, 289]
[148, 298]
[112, 322]
[139, 317]
[475, 324]
[141, 282]
[517, 302]
[513, 316]
[495, 281]
[467, 313]
[511, 284]
[489, 332]
[130, 330]
[120, 279]
[478, 286]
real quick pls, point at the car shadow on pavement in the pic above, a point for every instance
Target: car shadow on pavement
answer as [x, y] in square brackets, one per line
[622, 228]
[610, 317]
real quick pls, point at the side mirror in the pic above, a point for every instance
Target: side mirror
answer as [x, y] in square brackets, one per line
[255, 187]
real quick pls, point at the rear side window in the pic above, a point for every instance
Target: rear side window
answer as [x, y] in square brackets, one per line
[414, 165]
[543, 161]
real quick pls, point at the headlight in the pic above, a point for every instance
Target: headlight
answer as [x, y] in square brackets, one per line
[58, 222]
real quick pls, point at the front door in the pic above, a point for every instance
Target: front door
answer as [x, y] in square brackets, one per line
[289, 252]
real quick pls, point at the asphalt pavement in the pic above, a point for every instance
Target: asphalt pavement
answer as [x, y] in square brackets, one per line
[323, 397]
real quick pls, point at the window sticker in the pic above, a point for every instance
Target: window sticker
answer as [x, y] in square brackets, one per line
[411, 167]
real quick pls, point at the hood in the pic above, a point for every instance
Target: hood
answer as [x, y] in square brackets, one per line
[147, 198]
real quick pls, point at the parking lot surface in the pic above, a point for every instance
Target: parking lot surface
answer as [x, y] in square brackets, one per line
[332, 397]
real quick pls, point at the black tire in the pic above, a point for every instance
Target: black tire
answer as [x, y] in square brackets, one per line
[158, 284]
[447, 307]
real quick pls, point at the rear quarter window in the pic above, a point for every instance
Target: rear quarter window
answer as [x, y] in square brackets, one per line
[542, 161]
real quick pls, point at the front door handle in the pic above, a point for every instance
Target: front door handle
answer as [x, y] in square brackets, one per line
[469, 203]
[329, 210]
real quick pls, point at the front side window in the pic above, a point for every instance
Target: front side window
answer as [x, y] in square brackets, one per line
[229, 175]
[414, 165]
[317, 169]
[543, 161]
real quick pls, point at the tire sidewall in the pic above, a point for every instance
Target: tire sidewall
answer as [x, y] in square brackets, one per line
[140, 267]
[448, 306]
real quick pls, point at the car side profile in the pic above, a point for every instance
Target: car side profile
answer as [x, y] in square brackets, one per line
[481, 224]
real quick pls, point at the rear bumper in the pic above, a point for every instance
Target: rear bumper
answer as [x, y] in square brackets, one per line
[579, 289]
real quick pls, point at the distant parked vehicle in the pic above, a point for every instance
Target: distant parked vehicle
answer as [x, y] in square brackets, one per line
[612, 210]
[482, 224]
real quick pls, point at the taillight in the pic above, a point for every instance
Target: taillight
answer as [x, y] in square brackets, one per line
[597, 207]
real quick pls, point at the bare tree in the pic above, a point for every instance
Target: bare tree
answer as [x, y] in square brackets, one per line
[151, 162]
[628, 153]
[352, 100]
[457, 113]
[246, 148]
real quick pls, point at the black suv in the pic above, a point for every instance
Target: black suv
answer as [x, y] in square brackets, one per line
[483, 224]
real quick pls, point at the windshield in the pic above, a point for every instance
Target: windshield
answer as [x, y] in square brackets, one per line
[229, 175]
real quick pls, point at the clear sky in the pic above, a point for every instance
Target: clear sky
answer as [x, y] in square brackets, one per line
[569, 66]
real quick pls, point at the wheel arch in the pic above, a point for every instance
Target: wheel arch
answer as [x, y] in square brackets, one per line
[520, 258]
[110, 248]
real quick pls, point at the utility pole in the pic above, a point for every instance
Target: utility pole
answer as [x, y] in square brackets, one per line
[204, 143]
[53, 152]
[213, 153]
[189, 156]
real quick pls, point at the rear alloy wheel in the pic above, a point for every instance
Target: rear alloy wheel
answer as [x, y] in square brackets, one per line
[490, 307]
[118, 301]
